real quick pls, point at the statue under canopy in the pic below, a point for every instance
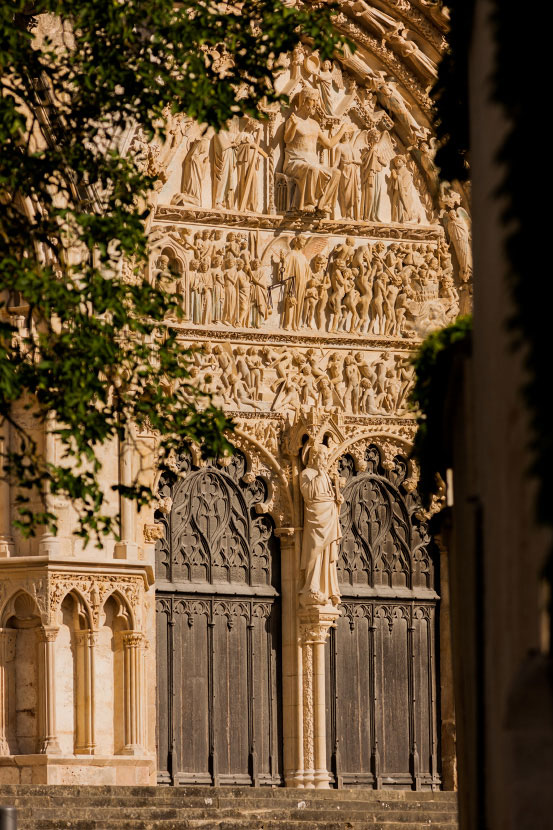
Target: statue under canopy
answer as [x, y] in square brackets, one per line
[321, 531]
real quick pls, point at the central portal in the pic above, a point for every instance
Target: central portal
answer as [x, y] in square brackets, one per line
[218, 628]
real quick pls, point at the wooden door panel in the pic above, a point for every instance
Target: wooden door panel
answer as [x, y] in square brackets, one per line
[381, 684]
[218, 627]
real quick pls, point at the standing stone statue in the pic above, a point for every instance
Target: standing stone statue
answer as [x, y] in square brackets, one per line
[224, 169]
[316, 184]
[321, 531]
[406, 206]
[248, 160]
[374, 160]
[297, 270]
[457, 224]
[348, 161]
[194, 170]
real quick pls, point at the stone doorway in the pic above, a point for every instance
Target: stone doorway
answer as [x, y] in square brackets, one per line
[382, 706]
[219, 718]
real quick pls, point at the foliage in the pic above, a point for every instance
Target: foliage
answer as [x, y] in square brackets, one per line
[433, 371]
[85, 343]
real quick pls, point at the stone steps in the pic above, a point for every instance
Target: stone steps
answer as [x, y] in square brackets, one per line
[233, 808]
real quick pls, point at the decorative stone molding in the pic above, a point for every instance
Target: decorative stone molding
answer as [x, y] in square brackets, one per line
[173, 214]
[47, 590]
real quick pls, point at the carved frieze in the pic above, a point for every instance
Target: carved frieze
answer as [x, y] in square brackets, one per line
[48, 591]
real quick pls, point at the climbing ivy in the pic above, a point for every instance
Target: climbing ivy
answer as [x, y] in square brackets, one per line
[433, 368]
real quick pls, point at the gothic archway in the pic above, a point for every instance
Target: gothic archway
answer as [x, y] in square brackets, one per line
[218, 628]
[381, 672]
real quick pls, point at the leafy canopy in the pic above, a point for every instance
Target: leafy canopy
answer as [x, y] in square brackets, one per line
[85, 342]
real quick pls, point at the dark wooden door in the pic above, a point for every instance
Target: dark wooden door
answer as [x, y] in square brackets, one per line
[381, 665]
[218, 629]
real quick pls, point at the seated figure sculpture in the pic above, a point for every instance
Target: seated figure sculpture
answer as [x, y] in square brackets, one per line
[321, 531]
[316, 184]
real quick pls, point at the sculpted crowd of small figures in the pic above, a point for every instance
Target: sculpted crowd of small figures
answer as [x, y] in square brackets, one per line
[397, 290]
[267, 378]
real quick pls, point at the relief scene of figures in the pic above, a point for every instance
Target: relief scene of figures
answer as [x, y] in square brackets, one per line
[309, 283]
[282, 379]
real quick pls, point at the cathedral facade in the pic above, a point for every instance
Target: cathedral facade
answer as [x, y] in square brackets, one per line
[274, 618]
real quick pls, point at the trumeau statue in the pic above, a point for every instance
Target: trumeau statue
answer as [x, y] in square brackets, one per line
[321, 531]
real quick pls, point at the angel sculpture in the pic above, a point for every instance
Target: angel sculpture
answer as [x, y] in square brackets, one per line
[326, 77]
[409, 49]
[348, 161]
[457, 225]
[392, 99]
[294, 254]
[373, 17]
[375, 158]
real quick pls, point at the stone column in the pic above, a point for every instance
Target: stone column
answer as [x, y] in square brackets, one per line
[291, 673]
[132, 692]
[315, 622]
[86, 642]
[127, 548]
[7, 545]
[49, 544]
[47, 741]
[7, 654]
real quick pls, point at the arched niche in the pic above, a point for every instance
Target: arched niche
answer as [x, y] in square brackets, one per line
[115, 618]
[73, 618]
[20, 680]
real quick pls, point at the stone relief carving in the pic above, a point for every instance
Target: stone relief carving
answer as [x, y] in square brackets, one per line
[281, 379]
[48, 592]
[307, 158]
[249, 280]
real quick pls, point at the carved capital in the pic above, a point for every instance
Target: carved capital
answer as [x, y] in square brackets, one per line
[47, 634]
[285, 532]
[315, 624]
[132, 639]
